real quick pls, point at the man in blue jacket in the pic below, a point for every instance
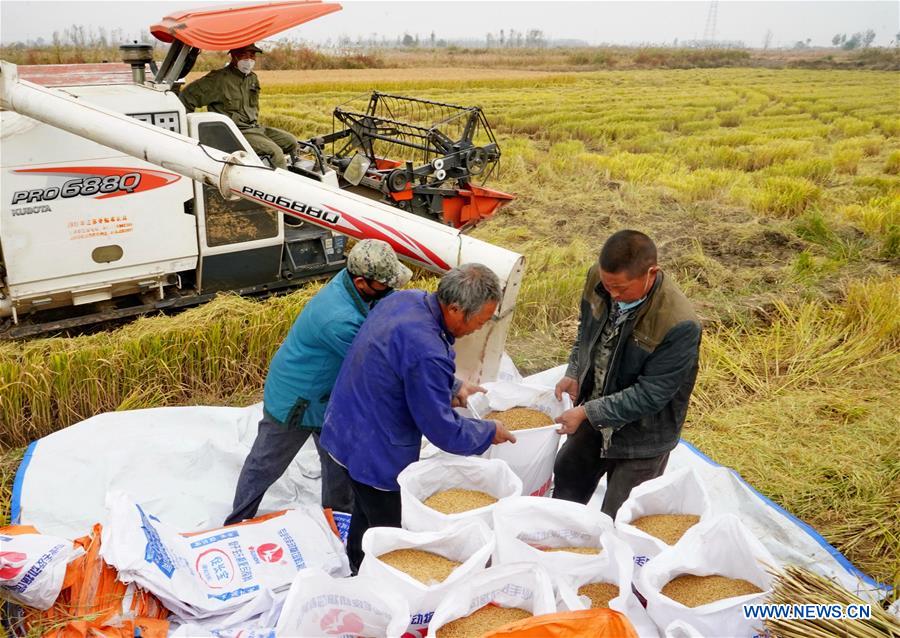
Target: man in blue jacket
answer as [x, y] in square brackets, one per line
[302, 374]
[396, 384]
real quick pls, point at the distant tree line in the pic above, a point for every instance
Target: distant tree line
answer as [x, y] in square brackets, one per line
[859, 40]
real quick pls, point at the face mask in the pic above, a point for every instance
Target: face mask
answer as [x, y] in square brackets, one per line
[379, 294]
[245, 66]
[622, 306]
[375, 295]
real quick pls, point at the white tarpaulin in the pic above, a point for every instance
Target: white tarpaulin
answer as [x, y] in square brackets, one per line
[183, 463]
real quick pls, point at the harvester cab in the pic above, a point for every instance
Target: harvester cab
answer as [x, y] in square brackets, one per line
[114, 201]
[127, 237]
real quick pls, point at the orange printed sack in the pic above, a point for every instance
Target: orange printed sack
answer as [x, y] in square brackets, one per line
[93, 602]
[596, 623]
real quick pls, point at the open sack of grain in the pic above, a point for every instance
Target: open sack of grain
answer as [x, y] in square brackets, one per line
[659, 512]
[423, 567]
[319, 605]
[493, 598]
[605, 583]
[529, 411]
[446, 488]
[706, 577]
[558, 535]
[218, 573]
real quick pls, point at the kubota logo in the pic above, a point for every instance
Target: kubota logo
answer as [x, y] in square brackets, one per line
[338, 622]
[99, 182]
[11, 564]
[270, 552]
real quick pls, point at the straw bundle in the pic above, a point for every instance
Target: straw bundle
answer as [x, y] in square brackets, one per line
[456, 500]
[482, 621]
[799, 586]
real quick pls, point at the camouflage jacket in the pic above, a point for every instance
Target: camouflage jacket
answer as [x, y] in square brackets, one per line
[226, 91]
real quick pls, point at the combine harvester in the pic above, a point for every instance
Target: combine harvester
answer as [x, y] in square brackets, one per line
[105, 196]
[84, 153]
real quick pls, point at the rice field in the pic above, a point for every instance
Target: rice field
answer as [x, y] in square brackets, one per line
[773, 195]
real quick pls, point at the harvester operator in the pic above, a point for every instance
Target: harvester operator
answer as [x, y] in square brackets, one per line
[302, 374]
[234, 91]
[396, 384]
[631, 373]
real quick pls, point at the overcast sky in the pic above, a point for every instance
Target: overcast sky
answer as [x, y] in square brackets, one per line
[594, 22]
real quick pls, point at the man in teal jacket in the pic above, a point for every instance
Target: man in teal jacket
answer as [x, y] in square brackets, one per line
[303, 372]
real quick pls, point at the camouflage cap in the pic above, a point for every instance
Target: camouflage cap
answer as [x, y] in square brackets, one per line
[247, 47]
[375, 259]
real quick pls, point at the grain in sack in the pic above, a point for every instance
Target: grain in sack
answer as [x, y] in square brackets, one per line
[719, 547]
[668, 506]
[525, 587]
[424, 479]
[468, 543]
[533, 454]
[554, 533]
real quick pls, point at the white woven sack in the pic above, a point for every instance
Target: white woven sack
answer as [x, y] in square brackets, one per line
[522, 585]
[467, 542]
[616, 567]
[359, 607]
[677, 492]
[681, 629]
[720, 546]
[524, 526]
[216, 572]
[446, 471]
[534, 452]
[33, 567]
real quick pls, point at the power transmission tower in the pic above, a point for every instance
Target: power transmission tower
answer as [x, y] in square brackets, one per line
[709, 33]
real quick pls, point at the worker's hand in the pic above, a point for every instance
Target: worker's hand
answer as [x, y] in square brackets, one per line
[461, 400]
[570, 420]
[568, 385]
[502, 435]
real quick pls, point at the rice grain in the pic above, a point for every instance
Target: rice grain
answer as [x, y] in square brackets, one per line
[481, 621]
[692, 591]
[668, 528]
[426, 567]
[456, 500]
[521, 418]
[599, 593]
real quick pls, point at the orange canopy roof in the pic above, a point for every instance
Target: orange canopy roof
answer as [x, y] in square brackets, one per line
[233, 27]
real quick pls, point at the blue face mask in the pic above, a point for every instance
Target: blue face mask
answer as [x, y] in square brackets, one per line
[622, 306]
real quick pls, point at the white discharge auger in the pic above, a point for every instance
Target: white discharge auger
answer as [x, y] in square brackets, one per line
[240, 175]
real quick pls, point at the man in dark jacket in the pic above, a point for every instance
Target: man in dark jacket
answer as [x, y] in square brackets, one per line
[396, 384]
[234, 91]
[631, 373]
